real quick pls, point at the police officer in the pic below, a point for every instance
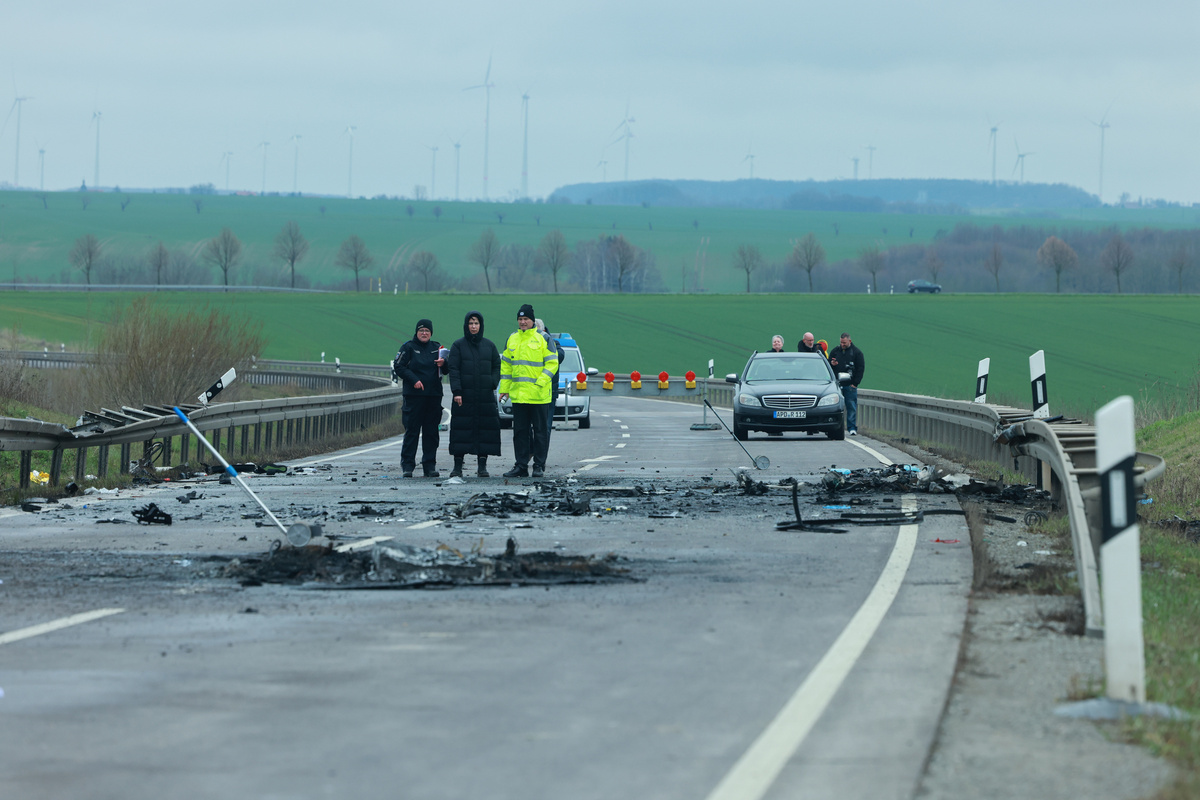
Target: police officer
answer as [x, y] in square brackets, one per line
[420, 368]
[527, 367]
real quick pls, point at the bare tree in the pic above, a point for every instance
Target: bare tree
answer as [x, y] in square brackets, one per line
[807, 254]
[85, 200]
[160, 258]
[1117, 257]
[84, 255]
[553, 254]
[424, 264]
[1179, 261]
[871, 260]
[747, 258]
[125, 201]
[222, 251]
[1058, 256]
[354, 255]
[625, 258]
[933, 263]
[291, 247]
[198, 202]
[409, 210]
[484, 252]
[992, 263]
[437, 213]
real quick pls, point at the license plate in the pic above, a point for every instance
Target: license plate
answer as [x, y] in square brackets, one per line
[791, 414]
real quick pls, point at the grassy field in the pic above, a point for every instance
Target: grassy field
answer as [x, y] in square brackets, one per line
[1097, 346]
[35, 240]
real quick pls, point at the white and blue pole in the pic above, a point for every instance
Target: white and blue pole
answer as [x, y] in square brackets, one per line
[981, 379]
[1120, 554]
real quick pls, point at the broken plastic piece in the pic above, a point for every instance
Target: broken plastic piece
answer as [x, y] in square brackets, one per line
[151, 515]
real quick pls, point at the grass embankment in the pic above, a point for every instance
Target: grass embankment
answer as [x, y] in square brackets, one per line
[1171, 598]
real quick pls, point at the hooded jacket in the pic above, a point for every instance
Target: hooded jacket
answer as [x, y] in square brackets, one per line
[417, 361]
[527, 366]
[474, 367]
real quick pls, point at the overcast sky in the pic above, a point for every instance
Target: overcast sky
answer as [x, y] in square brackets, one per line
[804, 87]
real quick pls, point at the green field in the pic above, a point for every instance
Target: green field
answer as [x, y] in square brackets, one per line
[1097, 346]
[35, 240]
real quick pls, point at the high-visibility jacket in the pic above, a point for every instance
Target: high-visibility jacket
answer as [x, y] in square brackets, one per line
[527, 366]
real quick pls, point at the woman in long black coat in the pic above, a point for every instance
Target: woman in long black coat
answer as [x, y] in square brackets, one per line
[474, 364]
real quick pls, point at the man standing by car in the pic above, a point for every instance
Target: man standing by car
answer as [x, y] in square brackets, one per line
[807, 344]
[419, 365]
[527, 367]
[849, 359]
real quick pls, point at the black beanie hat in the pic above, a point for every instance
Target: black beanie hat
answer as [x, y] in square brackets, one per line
[526, 311]
[423, 323]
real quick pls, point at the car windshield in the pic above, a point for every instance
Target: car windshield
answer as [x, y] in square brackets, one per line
[571, 363]
[787, 369]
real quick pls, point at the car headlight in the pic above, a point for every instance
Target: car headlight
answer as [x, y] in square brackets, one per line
[829, 400]
[749, 400]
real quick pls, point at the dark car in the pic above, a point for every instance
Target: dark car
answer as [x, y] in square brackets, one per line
[780, 392]
[924, 286]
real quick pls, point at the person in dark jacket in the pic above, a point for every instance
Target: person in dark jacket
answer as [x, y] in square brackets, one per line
[848, 358]
[807, 344]
[420, 368]
[474, 365]
[553, 345]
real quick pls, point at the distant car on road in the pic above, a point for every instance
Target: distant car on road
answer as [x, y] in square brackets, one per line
[924, 286]
[779, 392]
[580, 408]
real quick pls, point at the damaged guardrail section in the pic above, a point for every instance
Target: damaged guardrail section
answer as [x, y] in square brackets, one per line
[1057, 454]
[235, 428]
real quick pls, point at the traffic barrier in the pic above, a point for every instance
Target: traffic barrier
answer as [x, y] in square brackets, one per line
[662, 381]
[581, 381]
[635, 380]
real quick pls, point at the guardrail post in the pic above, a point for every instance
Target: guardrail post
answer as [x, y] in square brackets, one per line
[25, 468]
[230, 435]
[257, 436]
[102, 461]
[245, 437]
[80, 463]
[124, 466]
[166, 451]
[55, 465]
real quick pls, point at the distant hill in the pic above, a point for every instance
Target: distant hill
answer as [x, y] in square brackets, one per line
[906, 196]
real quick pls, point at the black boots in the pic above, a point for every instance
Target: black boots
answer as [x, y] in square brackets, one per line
[482, 471]
[518, 471]
[458, 465]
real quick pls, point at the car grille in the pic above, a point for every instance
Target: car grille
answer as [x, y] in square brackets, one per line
[789, 401]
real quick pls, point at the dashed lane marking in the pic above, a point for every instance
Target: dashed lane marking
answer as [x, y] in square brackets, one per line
[311, 461]
[586, 467]
[600, 458]
[58, 624]
[429, 523]
[624, 435]
[622, 444]
[624, 427]
[348, 546]
[757, 769]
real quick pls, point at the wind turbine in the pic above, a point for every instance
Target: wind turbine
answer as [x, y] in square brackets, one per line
[17, 160]
[750, 157]
[42, 169]
[992, 136]
[296, 163]
[264, 146]
[487, 117]
[1103, 126]
[350, 130]
[433, 174]
[226, 157]
[457, 145]
[626, 135]
[603, 165]
[1020, 163]
[855, 160]
[525, 147]
[870, 160]
[96, 115]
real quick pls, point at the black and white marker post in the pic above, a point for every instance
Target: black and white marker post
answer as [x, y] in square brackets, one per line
[1037, 382]
[216, 388]
[1120, 554]
[981, 379]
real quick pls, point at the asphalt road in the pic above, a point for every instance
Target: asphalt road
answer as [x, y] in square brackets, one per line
[743, 662]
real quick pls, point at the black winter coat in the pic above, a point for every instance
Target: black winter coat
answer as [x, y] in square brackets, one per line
[850, 360]
[474, 364]
[418, 362]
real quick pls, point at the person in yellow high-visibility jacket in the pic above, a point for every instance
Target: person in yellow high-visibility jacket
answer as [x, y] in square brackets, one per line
[527, 367]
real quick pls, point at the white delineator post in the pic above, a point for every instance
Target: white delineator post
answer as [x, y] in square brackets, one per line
[1037, 382]
[216, 388]
[1120, 554]
[981, 379]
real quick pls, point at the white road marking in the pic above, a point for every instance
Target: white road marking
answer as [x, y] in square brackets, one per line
[616, 420]
[58, 624]
[624, 427]
[622, 444]
[348, 546]
[429, 523]
[601, 458]
[311, 461]
[754, 773]
[586, 468]
[624, 435]
[887, 462]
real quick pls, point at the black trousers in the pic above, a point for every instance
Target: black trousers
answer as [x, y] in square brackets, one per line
[531, 433]
[421, 417]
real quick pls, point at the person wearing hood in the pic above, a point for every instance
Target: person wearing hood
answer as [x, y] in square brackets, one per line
[419, 365]
[474, 365]
[526, 368]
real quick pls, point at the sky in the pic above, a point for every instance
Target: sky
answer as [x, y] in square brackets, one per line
[793, 90]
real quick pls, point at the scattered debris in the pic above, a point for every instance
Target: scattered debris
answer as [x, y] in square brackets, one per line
[151, 515]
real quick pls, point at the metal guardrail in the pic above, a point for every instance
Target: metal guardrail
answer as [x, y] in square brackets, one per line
[1058, 455]
[246, 427]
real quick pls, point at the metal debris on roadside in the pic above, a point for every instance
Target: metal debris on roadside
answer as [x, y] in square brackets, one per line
[151, 514]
